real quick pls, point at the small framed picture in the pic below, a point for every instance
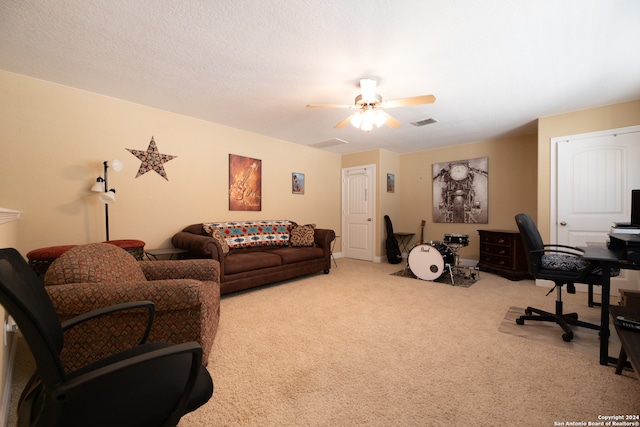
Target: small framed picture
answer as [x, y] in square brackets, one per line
[391, 183]
[297, 183]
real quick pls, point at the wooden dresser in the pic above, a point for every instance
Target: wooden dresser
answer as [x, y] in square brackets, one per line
[502, 252]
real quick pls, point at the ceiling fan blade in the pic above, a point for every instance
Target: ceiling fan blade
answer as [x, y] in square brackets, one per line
[343, 123]
[328, 106]
[391, 122]
[414, 100]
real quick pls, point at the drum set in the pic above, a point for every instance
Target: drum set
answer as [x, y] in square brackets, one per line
[429, 261]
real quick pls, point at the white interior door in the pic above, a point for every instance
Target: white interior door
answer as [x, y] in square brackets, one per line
[358, 219]
[595, 175]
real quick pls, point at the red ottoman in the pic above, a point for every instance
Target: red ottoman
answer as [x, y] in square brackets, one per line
[40, 259]
[134, 247]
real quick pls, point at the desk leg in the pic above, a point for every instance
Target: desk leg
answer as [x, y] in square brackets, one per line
[604, 314]
[622, 360]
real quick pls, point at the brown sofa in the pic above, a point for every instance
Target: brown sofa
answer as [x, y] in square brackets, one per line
[256, 253]
[186, 295]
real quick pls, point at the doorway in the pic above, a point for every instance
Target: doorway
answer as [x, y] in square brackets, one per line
[358, 212]
[595, 174]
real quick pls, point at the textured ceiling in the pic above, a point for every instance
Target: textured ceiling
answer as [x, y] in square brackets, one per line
[495, 66]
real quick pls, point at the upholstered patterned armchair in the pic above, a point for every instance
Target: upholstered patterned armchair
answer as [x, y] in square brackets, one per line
[186, 295]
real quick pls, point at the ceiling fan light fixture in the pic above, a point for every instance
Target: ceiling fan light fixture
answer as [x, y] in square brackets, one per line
[367, 118]
[367, 103]
[356, 119]
[368, 89]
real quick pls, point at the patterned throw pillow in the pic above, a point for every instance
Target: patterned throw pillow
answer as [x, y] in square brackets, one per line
[214, 232]
[246, 234]
[302, 235]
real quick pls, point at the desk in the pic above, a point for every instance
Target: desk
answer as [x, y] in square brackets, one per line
[629, 339]
[404, 239]
[609, 260]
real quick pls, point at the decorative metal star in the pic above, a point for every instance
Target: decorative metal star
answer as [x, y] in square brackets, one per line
[152, 160]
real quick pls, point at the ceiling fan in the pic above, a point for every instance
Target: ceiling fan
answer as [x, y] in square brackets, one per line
[369, 104]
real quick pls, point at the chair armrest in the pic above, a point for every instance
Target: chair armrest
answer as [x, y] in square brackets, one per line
[73, 299]
[553, 250]
[197, 245]
[116, 376]
[105, 311]
[197, 269]
[558, 247]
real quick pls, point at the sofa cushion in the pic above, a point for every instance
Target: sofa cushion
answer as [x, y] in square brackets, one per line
[244, 234]
[214, 232]
[293, 255]
[86, 264]
[302, 235]
[240, 262]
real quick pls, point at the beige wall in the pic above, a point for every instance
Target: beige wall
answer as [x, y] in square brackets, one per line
[386, 203]
[54, 139]
[512, 179]
[578, 122]
[389, 203]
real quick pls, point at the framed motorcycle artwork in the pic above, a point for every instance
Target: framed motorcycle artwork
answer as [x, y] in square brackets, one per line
[460, 190]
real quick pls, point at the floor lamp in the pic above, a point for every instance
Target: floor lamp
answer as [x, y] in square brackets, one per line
[107, 195]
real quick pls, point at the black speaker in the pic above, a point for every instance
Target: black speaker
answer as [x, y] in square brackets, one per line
[635, 208]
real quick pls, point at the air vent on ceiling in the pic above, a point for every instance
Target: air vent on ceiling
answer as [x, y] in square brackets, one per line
[424, 122]
[328, 143]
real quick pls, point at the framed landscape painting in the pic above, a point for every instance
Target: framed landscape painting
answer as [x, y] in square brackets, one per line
[391, 183]
[297, 183]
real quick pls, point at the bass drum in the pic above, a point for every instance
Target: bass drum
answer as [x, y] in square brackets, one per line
[427, 260]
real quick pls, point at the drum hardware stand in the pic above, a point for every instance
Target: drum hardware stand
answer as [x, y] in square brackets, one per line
[462, 270]
[450, 272]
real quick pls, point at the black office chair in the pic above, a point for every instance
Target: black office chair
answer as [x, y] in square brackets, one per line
[561, 264]
[151, 384]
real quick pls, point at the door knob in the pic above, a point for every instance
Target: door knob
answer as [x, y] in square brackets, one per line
[563, 223]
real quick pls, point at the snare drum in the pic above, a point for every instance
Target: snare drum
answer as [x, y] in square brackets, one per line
[457, 239]
[427, 260]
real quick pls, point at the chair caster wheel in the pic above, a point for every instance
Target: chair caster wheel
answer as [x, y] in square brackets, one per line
[567, 337]
[528, 312]
[520, 321]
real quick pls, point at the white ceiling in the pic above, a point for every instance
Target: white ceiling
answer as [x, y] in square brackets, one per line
[495, 66]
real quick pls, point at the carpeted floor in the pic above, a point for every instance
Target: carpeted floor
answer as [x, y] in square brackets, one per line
[461, 277]
[585, 341]
[362, 347]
